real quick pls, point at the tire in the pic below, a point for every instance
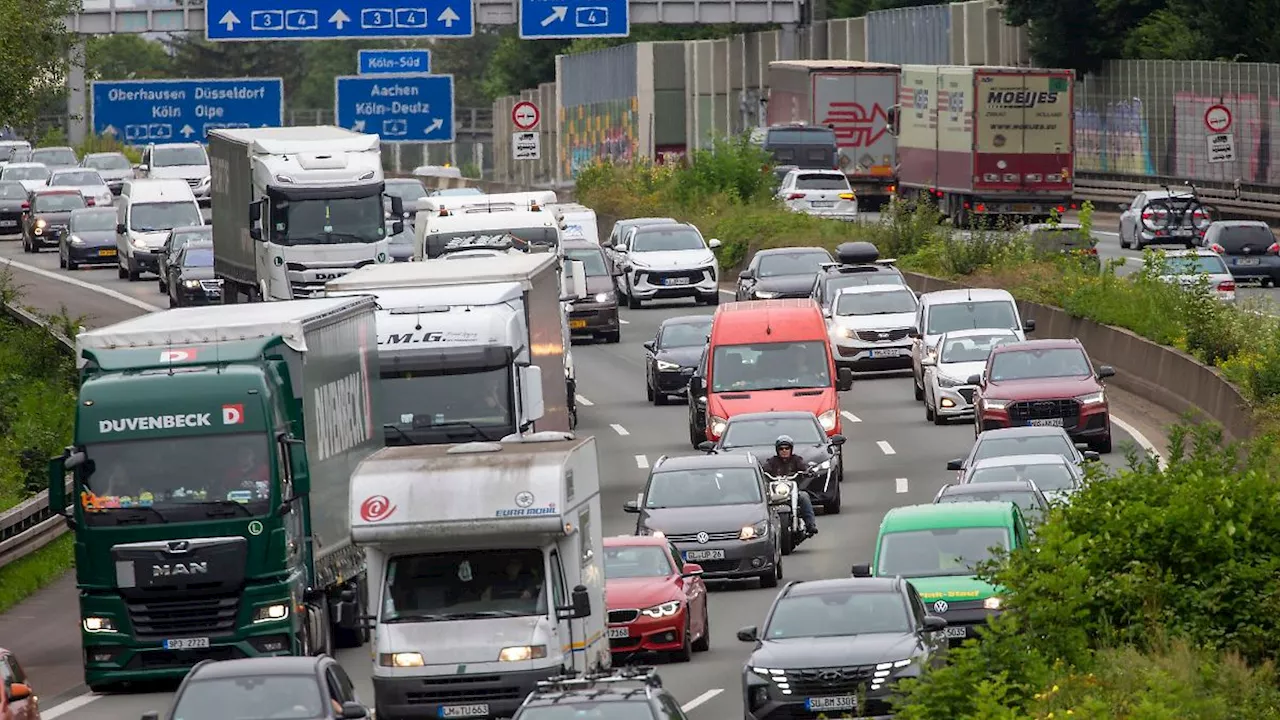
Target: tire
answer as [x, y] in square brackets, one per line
[632, 302]
[648, 389]
[703, 643]
[929, 414]
[695, 439]
[72, 264]
[769, 579]
[833, 507]
[613, 337]
[1103, 446]
[164, 287]
[714, 299]
[103, 688]
[1124, 244]
[325, 646]
[120, 271]
[685, 653]
[134, 274]
[1160, 209]
[62, 260]
[784, 539]
[917, 387]
[172, 303]
[660, 398]
[26, 247]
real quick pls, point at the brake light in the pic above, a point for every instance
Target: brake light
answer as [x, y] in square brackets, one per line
[796, 196]
[89, 201]
[967, 206]
[981, 208]
[1219, 249]
[26, 206]
[1227, 286]
[1091, 251]
[1061, 209]
[1274, 249]
[1074, 206]
[893, 189]
[846, 196]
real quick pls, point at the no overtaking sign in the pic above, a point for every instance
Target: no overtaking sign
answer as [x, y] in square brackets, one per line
[525, 115]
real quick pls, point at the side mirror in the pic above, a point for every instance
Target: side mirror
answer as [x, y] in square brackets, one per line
[749, 634]
[955, 465]
[861, 570]
[57, 474]
[121, 229]
[649, 345]
[1122, 206]
[256, 234]
[707, 446]
[746, 275]
[580, 603]
[353, 711]
[928, 362]
[631, 506]
[914, 334]
[153, 715]
[397, 227]
[1028, 326]
[713, 243]
[531, 398]
[844, 379]
[619, 247]
[1106, 371]
[19, 691]
[837, 440]
[933, 623]
[691, 570]
[1091, 456]
[255, 212]
[574, 281]
[299, 473]
[974, 380]
[397, 207]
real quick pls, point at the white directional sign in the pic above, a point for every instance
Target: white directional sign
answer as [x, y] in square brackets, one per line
[526, 146]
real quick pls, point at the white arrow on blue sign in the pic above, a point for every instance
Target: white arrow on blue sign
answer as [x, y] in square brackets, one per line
[565, 19]
[139, 112]
[402, 108]
[238, 20]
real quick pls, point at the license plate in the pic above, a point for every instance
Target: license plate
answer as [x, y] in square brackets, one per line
[1246, 261]
[464, 711]
[107, 253]
[888, 353]
[187, 644]
[1182, 233]
[1045, 422]
[959, 631]
[620, 633]
[838, 702]
[677, 281]
[822, 204]
[1023, 208]
[8, 223]
[577, 324]
[695, 555]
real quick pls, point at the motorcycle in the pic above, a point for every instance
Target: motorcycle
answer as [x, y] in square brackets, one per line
[793, 529]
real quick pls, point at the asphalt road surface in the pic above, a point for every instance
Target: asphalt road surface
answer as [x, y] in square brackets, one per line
[894, 457]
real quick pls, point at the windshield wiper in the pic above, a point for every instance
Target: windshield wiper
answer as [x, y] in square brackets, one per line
[119, 512]
[465, 423]
[485, 614]
[400, 431]
[417, 617]
[225, 504]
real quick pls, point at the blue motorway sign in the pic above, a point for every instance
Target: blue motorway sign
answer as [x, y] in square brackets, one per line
[139, 112]
[382, 62]
[232, 20]
[544, 19]
[400, 108]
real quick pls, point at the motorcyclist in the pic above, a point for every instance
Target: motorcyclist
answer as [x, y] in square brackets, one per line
[786, 462]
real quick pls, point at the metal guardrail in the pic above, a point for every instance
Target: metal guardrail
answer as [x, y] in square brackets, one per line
[31, 525]
[1252, 201]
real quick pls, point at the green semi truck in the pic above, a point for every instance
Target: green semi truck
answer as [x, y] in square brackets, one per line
[211, 469]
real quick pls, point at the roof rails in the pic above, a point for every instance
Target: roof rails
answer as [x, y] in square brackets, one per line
[648, 676]
[489, 207]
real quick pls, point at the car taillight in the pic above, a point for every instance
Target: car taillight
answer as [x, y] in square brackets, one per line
[1091, 251]
[1200, 219]
[89, 202]
[1219, 249]
[796, 196]
[1062, 209]
[1227, 286]
[1274, 249]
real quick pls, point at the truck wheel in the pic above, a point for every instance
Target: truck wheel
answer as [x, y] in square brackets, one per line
[319, 618]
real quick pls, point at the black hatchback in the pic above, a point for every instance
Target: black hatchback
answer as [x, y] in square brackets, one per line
[673, 354]
[268, 687]
[1248, 247]
[47, 217]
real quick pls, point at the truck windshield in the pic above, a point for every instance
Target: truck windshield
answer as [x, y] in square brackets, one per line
[770, 366]
[151, 217]
[464, 585]
[450, 403]
[327, 221]
[174, 472]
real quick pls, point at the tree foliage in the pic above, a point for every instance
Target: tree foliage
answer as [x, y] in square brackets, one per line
[34, 43]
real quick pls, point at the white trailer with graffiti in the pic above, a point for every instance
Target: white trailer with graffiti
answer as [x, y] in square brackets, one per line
[855, 99]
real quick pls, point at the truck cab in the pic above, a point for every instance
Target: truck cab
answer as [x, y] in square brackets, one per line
[447, 224]
[486, 569]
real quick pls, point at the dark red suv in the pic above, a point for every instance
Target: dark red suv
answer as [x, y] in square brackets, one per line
[1045, 383]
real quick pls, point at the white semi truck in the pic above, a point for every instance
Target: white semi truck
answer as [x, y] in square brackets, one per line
[473, 348]
[295, 207]
[485, 565]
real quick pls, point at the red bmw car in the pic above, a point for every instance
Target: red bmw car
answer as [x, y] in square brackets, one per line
[657, 602]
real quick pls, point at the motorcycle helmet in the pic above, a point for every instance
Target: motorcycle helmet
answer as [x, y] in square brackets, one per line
[783, 441]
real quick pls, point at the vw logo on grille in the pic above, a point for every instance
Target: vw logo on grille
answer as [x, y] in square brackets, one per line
[1248, 249]
[940, 606]
[703, 537]
[829, 675]
[884, 336]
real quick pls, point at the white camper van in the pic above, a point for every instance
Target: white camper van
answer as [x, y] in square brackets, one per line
[486, 570]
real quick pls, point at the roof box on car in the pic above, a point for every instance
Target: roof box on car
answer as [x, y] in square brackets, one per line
[857, 253]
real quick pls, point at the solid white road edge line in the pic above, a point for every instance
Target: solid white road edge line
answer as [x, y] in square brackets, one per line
[885, 447]
[850, 416]
[69, 706]
[900, 484]
[619, 429]
[61, 277]
[583, 401]
[642, 462]
[1141, 439]
[704, 697]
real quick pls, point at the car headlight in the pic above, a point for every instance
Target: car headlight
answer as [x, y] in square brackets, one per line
[75, 240]
[828, 420]
[717, 425]
[751, 532]
[665, 366]
[98, 624]
[892, 665]
[40, 222]
[520, 653]
[604, 297]
[666, 609]
[993, 404]
[401, 659]
[765, 294]
[949, 382]
[780, 488]
[192, 284]
[846, 333]
[992, 603]
[271, 613]
[139, 245]
[1095, 398]
[885, 669]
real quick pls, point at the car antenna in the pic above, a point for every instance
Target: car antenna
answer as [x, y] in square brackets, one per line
[169, 354]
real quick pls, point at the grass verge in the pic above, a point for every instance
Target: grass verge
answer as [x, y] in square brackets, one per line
[25, 577]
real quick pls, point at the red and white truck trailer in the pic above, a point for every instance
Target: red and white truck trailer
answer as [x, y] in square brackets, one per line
[853, 99]
[987, 141]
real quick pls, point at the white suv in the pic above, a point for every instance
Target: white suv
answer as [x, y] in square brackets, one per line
[666, 261]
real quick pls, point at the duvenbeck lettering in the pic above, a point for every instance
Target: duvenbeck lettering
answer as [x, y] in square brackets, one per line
[155, 422]
[340, 417]
[1020, 98]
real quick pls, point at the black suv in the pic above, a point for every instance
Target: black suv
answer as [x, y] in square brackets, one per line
[599, 694]
[857, 263]
[838, 647]
[696, 398]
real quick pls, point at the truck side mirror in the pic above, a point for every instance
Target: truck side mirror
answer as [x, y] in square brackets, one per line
[861, 570]
[255, 233]
[574, 281]
[255, 212]
[844, 379]
[57, 470]
[397, 227]
[298, 471]
[531, 401]
[893, 116]
[121, 229]
[579, 605]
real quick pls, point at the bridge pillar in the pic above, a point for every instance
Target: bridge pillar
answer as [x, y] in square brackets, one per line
[77, 95]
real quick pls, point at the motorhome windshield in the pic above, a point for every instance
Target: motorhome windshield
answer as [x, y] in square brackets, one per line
[464, 585]
[228, 473]
[447, 406]
[327, 221]
[151, 217]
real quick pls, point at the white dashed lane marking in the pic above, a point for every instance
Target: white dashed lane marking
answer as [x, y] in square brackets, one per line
[886, 448]
[704, 697]
[850, 416]
[583, 401]
[619, 429]
[900, 485]
[642, 462]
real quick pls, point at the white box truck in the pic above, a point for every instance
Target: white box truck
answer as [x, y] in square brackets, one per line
[295, 207]
[486, 568]
[471, 349]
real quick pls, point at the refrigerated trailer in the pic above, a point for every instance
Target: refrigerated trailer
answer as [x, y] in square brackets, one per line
[987, 141]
